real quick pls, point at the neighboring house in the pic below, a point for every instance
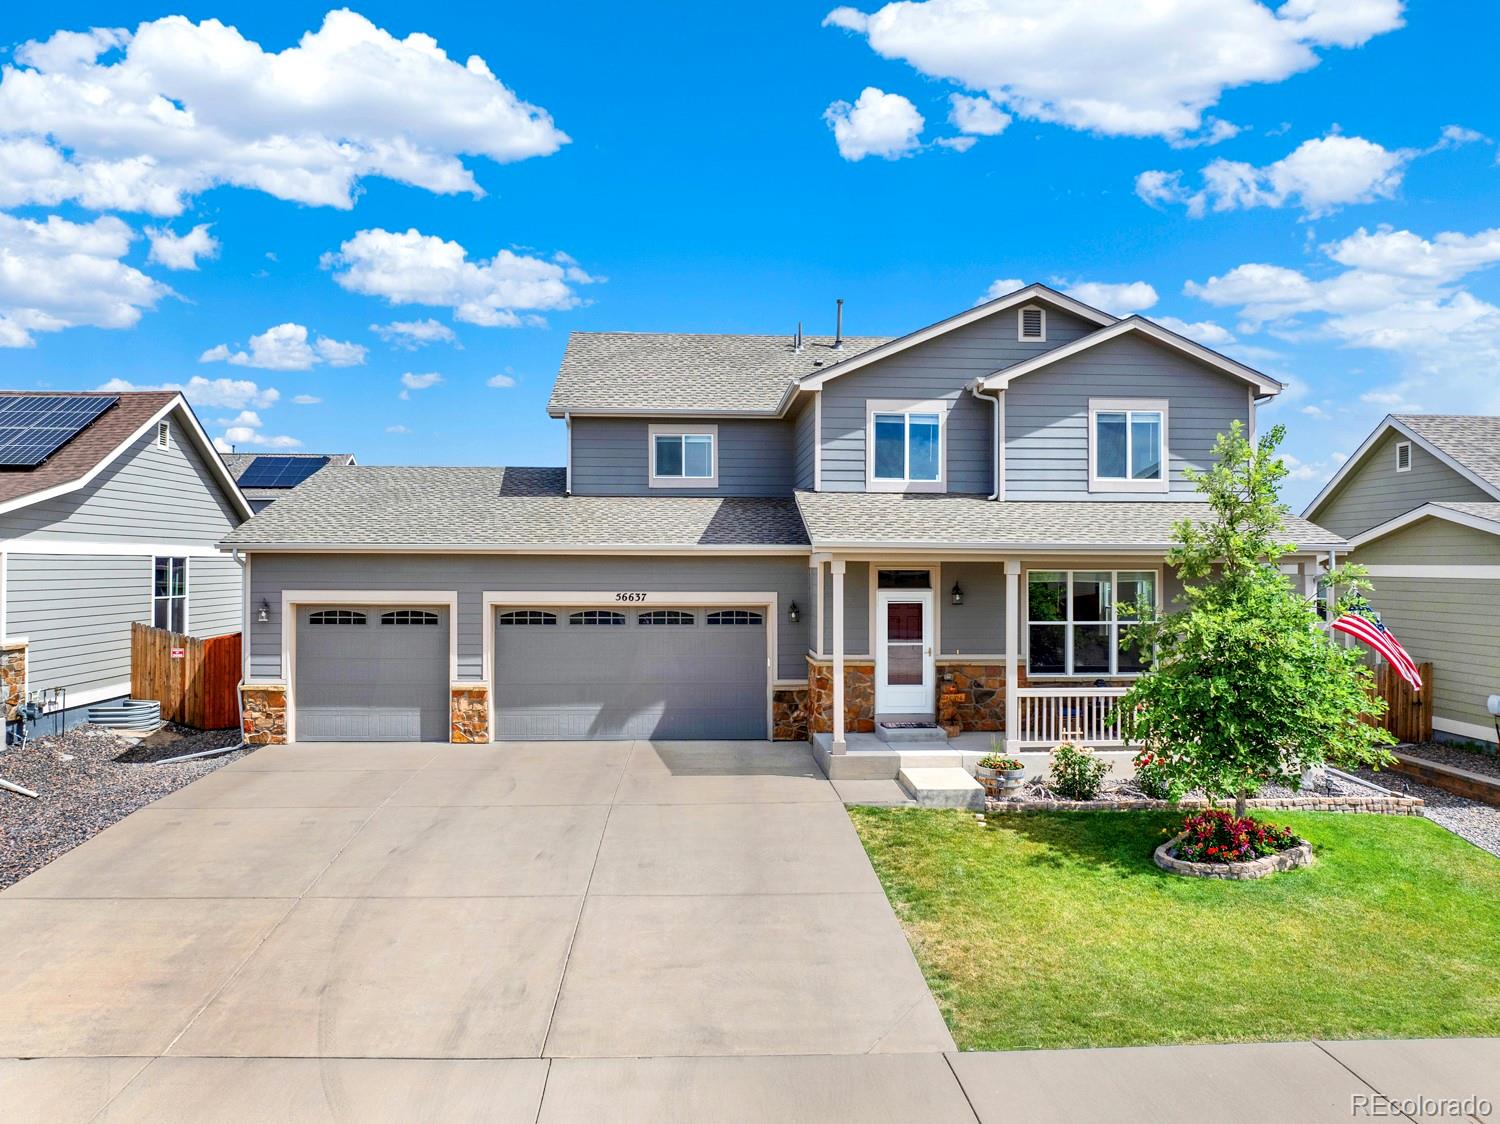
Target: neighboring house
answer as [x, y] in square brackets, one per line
[1419, 502]
[111, 506]
[759, 536]
[265, 477]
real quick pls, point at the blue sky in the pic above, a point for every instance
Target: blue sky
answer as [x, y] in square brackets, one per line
[1310, 188]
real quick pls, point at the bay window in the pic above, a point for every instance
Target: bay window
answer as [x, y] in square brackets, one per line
[1076, 621]
[906, 446]
[1127, 446]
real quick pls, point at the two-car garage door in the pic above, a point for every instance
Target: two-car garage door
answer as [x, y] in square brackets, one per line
[597, 673]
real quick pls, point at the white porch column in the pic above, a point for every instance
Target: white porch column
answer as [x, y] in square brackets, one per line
[816, 564]
[1012, 650]
[1309, 572]
[840, 745]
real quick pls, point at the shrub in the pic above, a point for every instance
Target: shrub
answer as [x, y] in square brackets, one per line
[1156, 778]
[1215, 836]
[1076, 773]
[1001, 761]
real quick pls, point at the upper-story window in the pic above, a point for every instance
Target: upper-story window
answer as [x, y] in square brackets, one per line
[1127, 445]
[905, 441]
[684, 456]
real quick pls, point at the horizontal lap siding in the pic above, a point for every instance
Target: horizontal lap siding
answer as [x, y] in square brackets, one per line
[77, 612]
[213, 596]
[856, 609]
[1431, 542]
[146, 495]
[1454, 624]
[977, 627]
[611, 457]
[1374, 492]
[1046, 417]
[942, 368]
[472, 577]
[804, 440]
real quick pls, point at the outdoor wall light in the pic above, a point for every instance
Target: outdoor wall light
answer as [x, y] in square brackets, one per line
[793, 613]
[264, 615]
[957, 594]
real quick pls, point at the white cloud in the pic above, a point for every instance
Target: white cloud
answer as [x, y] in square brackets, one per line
[412, 334]
[1118, 69]
[978, 116]
[243, 418]
[56, 274]
[410, 382]
[877, 124]
[1001, 287]
[1205, 332]
[957, 144]
[414, 268]
[1118, 299]
[144, 120]
[227, 394]
[237, 436]
[500, 382]
[181, 251]
[306, 400]
[1397, 293]
[397, 429]
[1314, 411]
[285, 347]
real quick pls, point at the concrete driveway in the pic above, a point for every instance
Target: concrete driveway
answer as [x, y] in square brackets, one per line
[363, 903]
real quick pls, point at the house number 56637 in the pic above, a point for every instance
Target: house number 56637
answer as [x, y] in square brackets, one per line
[630, 597]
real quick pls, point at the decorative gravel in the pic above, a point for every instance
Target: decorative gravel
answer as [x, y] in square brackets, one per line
[86, 779]
[1486, 763]
[1473, 820]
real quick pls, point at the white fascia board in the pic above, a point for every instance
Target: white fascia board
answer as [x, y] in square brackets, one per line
[662, 549]
[962, 319]
[206, 444]
[1386, 426]
[1426, 511]
[856, 550]
[1263, 384]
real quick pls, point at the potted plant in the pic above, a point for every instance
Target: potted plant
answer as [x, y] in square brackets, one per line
[1001, 767]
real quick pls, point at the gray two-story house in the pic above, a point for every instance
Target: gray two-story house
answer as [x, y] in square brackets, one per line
[847, 540]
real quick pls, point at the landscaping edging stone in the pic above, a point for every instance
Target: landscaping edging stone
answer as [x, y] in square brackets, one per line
[1377, 805]
[1290, 859]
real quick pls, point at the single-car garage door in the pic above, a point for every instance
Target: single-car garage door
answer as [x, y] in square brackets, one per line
[680, 673]
[371, 673]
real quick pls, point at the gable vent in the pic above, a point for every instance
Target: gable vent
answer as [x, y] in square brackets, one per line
[1403, 456]
[1031, 323]
[163, 434]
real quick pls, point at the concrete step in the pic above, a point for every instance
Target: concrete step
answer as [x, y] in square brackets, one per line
[889, 728]
[943, 788]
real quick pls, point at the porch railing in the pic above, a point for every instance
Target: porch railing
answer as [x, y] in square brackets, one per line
[1082, 715]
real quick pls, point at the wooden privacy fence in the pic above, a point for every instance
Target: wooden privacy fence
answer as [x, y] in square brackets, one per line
[1408, 715]
[196, 688]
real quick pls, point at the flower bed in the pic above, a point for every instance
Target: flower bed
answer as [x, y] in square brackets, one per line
[1126, 796]
[1213, 844]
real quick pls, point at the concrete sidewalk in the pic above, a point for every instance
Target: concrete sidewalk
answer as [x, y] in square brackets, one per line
[1286, 1083]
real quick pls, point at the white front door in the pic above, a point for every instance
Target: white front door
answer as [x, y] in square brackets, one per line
[904, 666]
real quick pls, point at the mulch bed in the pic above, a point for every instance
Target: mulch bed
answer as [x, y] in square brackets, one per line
[88, 778]
[1445, 754]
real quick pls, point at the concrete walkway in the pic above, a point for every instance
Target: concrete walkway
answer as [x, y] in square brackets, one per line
[546, 932]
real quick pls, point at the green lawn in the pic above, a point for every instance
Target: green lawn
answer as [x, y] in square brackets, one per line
[1058, 931]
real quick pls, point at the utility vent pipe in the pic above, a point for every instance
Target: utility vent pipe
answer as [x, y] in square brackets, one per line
[838, 325]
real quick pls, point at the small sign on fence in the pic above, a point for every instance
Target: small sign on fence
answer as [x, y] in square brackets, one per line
[178, 653]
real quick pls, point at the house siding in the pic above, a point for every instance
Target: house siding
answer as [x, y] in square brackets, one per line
[942, 368]
[805, 441]
[213, 596]
[1432, 541]
[1046, 417]
[977, 627]
[76, 611]
[473, 576]
[1374, 492]
[611, 457]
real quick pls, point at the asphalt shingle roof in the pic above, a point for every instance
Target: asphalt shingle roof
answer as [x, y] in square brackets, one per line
[1481, 510]
[237, 463]
[370, 506]
[1473, 440]
[95, 442]
[893, 519]
[664, 371]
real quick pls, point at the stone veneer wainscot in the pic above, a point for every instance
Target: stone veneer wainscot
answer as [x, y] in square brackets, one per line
[12, 677]
[469, 714]
[263, 708]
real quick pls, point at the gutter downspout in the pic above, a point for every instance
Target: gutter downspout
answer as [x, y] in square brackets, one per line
[994, 436]
[239, 688]
[568, 470]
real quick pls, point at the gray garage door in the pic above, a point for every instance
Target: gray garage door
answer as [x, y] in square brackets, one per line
[372, 673]
[579, 673]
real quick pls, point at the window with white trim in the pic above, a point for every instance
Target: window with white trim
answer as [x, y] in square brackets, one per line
[1128, 445]
[685, 456]
[1076, 621]
[1031, 324]
[169, 594]
[1403, 456]
[906, 446]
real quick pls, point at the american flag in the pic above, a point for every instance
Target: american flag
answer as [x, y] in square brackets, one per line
[1376, 635]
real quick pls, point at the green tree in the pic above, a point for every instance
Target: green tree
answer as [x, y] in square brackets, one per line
[1244, 688]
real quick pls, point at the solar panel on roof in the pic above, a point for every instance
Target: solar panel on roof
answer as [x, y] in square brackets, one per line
[280, 472]
[34, 426]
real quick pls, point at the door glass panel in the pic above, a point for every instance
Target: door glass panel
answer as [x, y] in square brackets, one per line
[1109, 446]
[904, 665]
[1091, 596]
[890, 446]
[1047, 654]
[669, 456]
[697, 455]
[924, 447]
[1091, 648]
[1145, 446]
[904, 579]
[903, 621]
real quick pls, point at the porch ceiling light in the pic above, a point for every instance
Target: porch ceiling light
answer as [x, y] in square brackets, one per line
[264, 615]
[793, 613]
[957, 594]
